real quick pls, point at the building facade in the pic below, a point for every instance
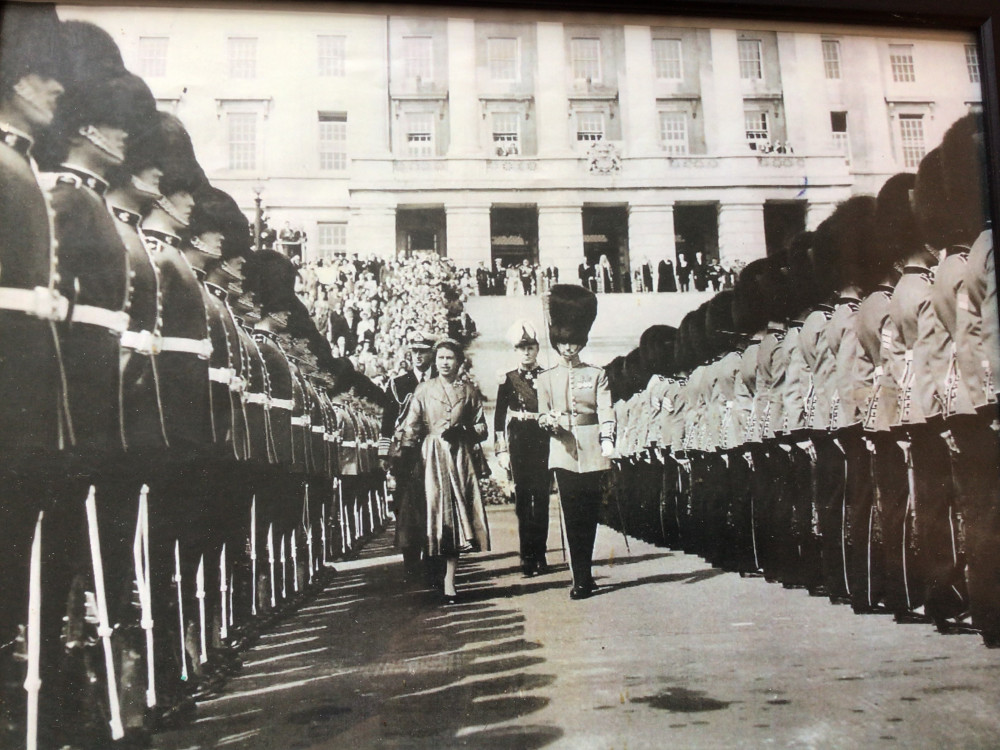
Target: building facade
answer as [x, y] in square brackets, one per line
[489, 138]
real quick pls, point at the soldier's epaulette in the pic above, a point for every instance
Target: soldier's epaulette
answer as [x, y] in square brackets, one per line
[216, 291]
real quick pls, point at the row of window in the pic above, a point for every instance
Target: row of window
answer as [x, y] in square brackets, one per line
[504, 59]
[418, 135]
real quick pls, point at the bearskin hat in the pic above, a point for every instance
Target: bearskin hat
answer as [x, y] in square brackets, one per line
[90, 54]
[572, 311]
[776, 287]
[270, 277]
[896, 233]
[615, 371]
[216, 211]
[636, 376]
[751, 310]
[700, 348]
[30, 43]
[826, 270]
[802, 273]
[656, 348]
[720, 326]
[930, 201]
[682, 346]
[853, 224]
[964, 165]
[168, 145]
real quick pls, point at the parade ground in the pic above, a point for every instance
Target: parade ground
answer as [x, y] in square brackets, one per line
[670, 653]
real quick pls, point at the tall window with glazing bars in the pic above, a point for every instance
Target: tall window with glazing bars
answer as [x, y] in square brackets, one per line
[751, 68]
[331, 52]
[667, 59]
[332, 141]
[242, 56]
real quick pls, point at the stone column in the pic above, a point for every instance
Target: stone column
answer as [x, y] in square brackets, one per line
[722, 97]
[463, 106]
[468, 233]
[560, 240]
[638, 102]
[741, 232]
[551, 102]
[372, 229]
[651, 234]
[803, 81]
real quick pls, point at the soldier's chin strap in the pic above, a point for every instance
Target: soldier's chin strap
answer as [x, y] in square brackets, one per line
[95, 136]
[165, 205]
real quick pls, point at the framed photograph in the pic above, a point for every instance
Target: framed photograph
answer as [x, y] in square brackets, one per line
[499, 374]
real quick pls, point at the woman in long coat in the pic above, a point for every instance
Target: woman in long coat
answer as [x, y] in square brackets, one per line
[445, 419]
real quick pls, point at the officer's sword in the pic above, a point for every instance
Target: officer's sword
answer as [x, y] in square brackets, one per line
[307, 525]
[295, 561]
[104, 627]
[199, 593]
[32, 683]
[253, 556]
[270, 559]
[223, 591]
[180, 608]
[284, 591]
[143, 576]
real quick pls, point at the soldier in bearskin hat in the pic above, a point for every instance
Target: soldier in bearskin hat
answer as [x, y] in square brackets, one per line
[575, 406]
[33, 424]
[522, 448]
[895, 235]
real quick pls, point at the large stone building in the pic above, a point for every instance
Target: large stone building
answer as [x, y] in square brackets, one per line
[544, 137]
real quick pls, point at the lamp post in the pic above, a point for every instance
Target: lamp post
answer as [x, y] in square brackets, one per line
[258, 213]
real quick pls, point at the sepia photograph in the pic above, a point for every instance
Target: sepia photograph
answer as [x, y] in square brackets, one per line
[499, 375]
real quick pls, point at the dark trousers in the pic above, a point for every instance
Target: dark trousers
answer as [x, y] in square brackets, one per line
[864, 569]
[902, 589]
[976, 468]
[580, 496]
[938, 552]
[532, 507]
[831, 500]
[670, 490]
[739, 519]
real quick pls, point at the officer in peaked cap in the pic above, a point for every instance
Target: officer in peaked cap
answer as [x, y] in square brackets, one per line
[574, 404]
[522, 447]
[410, 511]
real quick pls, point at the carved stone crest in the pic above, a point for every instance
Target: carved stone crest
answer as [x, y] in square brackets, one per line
[604, 158]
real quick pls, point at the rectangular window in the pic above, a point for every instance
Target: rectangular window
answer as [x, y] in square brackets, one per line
[506, 134]
[331, 238]
[586, 57]
[750, 60]
[911, 137]
[242, 140]
[901, 60]
[420, 134]
[972, 63]
[589, 126]
[673, 133]
[331, 52]
[831, 58]
[502, 54]
[332, 141]
[838, 130]
[757, 129]
[418, 51]
[667, 59]
[153, 56]
[242, 57]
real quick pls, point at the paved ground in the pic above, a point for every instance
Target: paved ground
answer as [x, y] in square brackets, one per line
[671, 654]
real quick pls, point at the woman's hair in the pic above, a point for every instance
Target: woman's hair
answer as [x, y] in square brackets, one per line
[452, 346]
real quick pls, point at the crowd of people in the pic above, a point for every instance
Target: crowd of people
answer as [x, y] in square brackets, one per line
[366, 308]
[692, 273]
[180, 449]
[831, 423]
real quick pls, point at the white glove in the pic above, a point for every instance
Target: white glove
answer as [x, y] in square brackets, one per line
[607, 448]
[504, 460]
